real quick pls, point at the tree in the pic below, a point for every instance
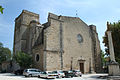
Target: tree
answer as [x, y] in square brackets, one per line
[105, 60]
[5, 53]
[23, 59]
[103, 57]
[1, 9]
[115, 28]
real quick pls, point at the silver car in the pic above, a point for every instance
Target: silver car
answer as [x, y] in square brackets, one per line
[31, 72]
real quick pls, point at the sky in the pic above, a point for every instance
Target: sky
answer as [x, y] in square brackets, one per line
[96, 12]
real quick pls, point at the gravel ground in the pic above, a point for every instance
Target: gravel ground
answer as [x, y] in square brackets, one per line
[10, 76]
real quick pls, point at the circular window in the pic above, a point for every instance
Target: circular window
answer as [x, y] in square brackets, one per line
[80, 39]
[37, 57]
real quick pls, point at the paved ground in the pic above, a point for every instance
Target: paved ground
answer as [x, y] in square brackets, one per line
[9, 76]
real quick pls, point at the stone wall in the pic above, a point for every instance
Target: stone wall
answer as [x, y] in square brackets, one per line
[72, 48]
[53, 61]
[72, 26]
[52, 36]
[96, 49]
[52, 44]
[38, 51]
[98, 56]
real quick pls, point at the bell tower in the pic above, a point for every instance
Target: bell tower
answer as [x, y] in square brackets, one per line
[22, 24]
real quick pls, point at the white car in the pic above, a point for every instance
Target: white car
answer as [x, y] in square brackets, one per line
[60, 73]
[48, 74]
[31, 72]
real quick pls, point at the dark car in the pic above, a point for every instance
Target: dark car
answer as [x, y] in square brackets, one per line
[19, 72]
[68, 74]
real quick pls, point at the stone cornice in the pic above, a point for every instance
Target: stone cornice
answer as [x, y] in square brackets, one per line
[56, 19]
[28, 12]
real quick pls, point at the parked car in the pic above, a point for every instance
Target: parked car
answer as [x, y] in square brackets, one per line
[31, 72]
[77, 73]
[48, 74]
[18, 72]
[60, 73]
[68, 74]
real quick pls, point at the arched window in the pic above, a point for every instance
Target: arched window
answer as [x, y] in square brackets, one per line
[37, 57]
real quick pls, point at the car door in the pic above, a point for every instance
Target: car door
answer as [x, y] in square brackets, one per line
[33, 72]
[37, 72]
[43, 74]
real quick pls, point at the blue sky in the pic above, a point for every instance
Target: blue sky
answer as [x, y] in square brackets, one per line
[96, 12]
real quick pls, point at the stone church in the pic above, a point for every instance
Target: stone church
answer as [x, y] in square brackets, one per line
[62, 43]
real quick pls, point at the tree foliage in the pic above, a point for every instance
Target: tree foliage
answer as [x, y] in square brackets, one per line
[5, 53]
[103, 57]
[1, 9]
[23, 59]
[115, 28]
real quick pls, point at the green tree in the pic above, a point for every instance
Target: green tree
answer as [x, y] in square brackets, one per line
[1, 9]
[23, 59]
[103, 57]
[1, 45]
[5, 53]
[115, 28]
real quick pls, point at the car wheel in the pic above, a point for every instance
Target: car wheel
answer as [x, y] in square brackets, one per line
[38, 76]
[63, 77]
[60, 76]
[17, 73]
[30, 75]
[69, 76]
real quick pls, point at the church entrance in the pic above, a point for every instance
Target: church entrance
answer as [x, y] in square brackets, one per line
[81, 65]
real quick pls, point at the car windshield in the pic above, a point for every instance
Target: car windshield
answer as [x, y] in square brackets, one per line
[25, 70]
[38, 71]
[77, 71]
[54, 72]
[60, 71]
[43, 72]
[50, 72]
[69, 71]
[34, 70]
